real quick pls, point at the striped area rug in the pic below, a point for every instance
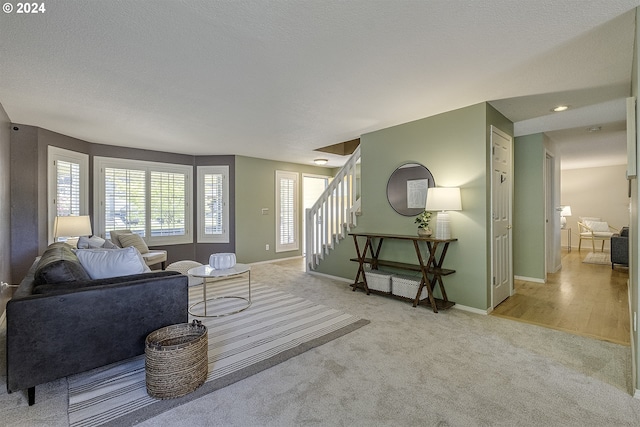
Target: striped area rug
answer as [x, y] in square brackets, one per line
[276, 327]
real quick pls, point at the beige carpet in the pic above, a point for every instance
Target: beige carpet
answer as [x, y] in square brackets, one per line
[597, 258]
[408, 367]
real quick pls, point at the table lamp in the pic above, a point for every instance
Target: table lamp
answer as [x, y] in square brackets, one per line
[566, 211]
[443, 199]
[71, 227]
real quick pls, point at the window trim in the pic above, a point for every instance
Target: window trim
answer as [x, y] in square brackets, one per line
[295, 245]
[201, 172]
[99, 165]
[55, 154]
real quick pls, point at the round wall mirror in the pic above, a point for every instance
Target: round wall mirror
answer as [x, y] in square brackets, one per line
[407, 188]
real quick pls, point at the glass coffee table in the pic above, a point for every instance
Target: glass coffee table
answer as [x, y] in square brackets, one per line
[209, 274]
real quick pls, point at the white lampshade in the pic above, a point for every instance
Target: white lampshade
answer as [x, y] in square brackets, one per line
[443, 199]
[72, 226]
[566, 211]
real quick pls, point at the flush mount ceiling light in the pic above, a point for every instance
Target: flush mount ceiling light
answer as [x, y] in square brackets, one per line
[320, 161]
[594, 129]
[560, 108]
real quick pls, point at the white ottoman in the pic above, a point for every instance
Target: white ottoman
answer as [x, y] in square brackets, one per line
[183, 267]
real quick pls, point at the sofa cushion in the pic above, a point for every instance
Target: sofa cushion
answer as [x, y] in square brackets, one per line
[59, 264]
[94, 242]
[101, 263]
[134, 240]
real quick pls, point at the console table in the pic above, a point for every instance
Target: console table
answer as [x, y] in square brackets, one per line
[433, 265]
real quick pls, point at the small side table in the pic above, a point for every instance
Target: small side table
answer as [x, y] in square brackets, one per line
[207, 273]
[568, 238]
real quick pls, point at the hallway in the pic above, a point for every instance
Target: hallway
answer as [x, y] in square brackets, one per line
[584, 299]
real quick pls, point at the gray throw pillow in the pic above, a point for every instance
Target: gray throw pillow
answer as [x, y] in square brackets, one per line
[94, 242]
[59, 264]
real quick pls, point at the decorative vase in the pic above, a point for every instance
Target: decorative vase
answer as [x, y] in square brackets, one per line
[424, 232]
[222, 261]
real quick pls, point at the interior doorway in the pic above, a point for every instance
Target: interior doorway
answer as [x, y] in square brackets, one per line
[312, 188]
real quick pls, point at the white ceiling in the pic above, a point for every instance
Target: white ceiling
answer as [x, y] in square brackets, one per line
[276, 80]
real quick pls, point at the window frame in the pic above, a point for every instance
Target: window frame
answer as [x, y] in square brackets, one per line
[211, 170]
[295, 176]
[55, 154]
[100, 163]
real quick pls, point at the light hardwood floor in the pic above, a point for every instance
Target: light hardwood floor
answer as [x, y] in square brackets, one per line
[583, 299]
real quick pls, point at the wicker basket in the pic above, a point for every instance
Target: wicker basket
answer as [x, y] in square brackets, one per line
[176, 361]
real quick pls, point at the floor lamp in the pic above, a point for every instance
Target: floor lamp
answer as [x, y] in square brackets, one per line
[443, 199]
[71, 227]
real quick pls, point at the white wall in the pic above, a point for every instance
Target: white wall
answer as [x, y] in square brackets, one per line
[599, 192]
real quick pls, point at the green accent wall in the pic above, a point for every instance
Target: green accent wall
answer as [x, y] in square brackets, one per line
[454, 147]
[255, 189]
[528, 207]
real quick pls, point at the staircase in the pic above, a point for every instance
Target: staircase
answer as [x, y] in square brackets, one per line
[335, 212]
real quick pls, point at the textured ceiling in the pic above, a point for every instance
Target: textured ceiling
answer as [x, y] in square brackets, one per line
[277, 80]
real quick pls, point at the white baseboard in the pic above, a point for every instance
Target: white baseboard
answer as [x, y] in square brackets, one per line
[472, 309]
[530, 279]
[328, 276]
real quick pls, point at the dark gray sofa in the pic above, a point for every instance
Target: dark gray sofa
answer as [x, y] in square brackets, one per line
[58, 329]
[620, 248]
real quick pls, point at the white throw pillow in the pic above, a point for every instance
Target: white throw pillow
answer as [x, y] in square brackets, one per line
[102, 263]
[597, 226]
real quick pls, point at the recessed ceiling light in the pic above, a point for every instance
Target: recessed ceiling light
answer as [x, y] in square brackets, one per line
[320, 161]
[594, 129]
[560, 108]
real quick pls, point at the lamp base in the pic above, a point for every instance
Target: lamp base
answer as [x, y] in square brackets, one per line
[443, 226]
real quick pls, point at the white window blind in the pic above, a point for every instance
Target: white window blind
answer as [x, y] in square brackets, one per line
[125, 200]
[213, 213]
[68, 184]
[287, 211]
[168, 200]
[67, 188]
[287, 220]
[213, 202]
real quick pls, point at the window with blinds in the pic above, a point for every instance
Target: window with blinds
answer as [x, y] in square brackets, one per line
[67, 188]
[125, 200]
[213, 212]
[148, 198]
[68, 183]
[168, 201]
[287, 222]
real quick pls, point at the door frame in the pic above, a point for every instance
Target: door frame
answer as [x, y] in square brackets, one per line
[509, 253]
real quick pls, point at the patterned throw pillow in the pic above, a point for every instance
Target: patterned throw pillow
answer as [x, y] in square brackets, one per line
[134, 240]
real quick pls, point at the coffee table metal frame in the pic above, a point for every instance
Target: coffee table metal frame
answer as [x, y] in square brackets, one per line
[208, 273]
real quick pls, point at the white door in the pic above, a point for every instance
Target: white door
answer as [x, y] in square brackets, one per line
[501, 206]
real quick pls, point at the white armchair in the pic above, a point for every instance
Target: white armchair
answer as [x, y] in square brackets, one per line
[593, 229]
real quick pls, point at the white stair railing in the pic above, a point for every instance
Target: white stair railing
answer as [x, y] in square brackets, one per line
[334, 213]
